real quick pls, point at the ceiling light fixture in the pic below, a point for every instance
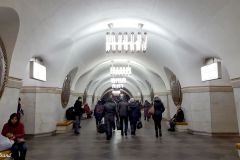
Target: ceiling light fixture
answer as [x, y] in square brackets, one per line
[120, 71]
[117, 86]
[126, 42]
[118, 80]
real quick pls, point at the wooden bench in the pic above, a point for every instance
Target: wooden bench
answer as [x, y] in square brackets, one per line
[237, 145]
[181, 126]
[5, 155]
[64, 126]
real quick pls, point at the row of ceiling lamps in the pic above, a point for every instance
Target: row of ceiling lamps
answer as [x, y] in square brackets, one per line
[126, 42]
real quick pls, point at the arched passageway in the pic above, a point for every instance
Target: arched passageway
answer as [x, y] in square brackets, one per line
[69, 39]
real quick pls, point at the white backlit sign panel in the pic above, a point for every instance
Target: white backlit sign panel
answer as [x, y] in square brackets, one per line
[116, 92]
[37, 71]
[211, 71]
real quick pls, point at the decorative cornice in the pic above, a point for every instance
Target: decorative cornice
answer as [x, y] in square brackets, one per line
[13, 82]
[37, 89]
[235, 82]
[162, 93]
[73, 93]
[200, 89]
[52, 90]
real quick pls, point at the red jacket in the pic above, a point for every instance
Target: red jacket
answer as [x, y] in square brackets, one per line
[16, 130]
[87, 108]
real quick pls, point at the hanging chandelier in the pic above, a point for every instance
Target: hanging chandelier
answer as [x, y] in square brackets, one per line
[126, 42]
[120, 71]
[118, 80]
[117, 86]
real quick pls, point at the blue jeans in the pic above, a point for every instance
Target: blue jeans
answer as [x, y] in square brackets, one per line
[19, 151]
[77, 123]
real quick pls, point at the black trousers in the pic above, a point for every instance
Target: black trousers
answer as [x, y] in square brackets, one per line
[19, 151]
[124, 119]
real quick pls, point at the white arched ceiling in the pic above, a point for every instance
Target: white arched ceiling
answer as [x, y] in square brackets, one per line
[106, 78]
[181, 34]
[107, 85]
[9, 27]
[101, 74]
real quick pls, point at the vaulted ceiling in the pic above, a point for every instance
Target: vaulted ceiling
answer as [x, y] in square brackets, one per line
[71, 33]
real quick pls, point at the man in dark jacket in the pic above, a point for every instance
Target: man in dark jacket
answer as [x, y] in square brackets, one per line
[78, 114]
[109, 116]
[178, 117]
[123, 114]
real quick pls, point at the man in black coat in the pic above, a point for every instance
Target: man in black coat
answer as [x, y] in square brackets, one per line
[123, 114]
[178, 117]
[78, 114]
[109, 116]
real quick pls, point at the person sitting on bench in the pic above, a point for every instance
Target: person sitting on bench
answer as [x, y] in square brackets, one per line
[87, 110]
[178, 117]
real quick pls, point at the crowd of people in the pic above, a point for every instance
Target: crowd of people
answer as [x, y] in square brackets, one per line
[125, 112]
[110, 114]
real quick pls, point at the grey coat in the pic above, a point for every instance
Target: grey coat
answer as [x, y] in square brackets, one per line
[123, 108]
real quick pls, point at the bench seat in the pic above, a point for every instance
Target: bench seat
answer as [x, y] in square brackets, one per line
[65, 123]
[237, 145]
[64, 126]
[5, 155]
[181, 123]
[181, 126]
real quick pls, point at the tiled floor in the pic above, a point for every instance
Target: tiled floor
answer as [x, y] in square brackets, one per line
[90, 145]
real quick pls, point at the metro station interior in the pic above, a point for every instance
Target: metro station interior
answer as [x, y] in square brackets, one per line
[155, 47]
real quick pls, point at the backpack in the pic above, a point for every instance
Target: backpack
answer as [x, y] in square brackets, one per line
[70, 113]
[99, 111]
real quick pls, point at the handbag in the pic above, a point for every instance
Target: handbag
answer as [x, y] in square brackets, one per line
[5, 143]
[151, 110]
[101, 127]
[139, 124]
[118, 124]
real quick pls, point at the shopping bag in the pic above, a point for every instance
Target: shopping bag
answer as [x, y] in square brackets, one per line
[5, 143]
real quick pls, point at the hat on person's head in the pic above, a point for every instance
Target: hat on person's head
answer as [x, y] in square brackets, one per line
[131, 100]
[79, 97]
[156, 98]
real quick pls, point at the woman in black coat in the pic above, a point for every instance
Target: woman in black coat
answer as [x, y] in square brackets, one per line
[157, 116]
[134, 115]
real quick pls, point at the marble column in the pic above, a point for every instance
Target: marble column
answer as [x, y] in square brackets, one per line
[236, 90]
[43, 109]
[9, 99]
[210, 109]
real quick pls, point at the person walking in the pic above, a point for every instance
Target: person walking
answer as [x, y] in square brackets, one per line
[157, 115]
[123, 114]
[110, 113]
[146, 107]
[134, 115]
[98, 112]
[78, 114]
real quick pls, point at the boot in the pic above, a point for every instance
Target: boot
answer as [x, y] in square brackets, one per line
[156, 133]
[160, 132]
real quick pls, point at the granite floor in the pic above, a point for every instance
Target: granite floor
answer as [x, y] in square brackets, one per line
[90, 145]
